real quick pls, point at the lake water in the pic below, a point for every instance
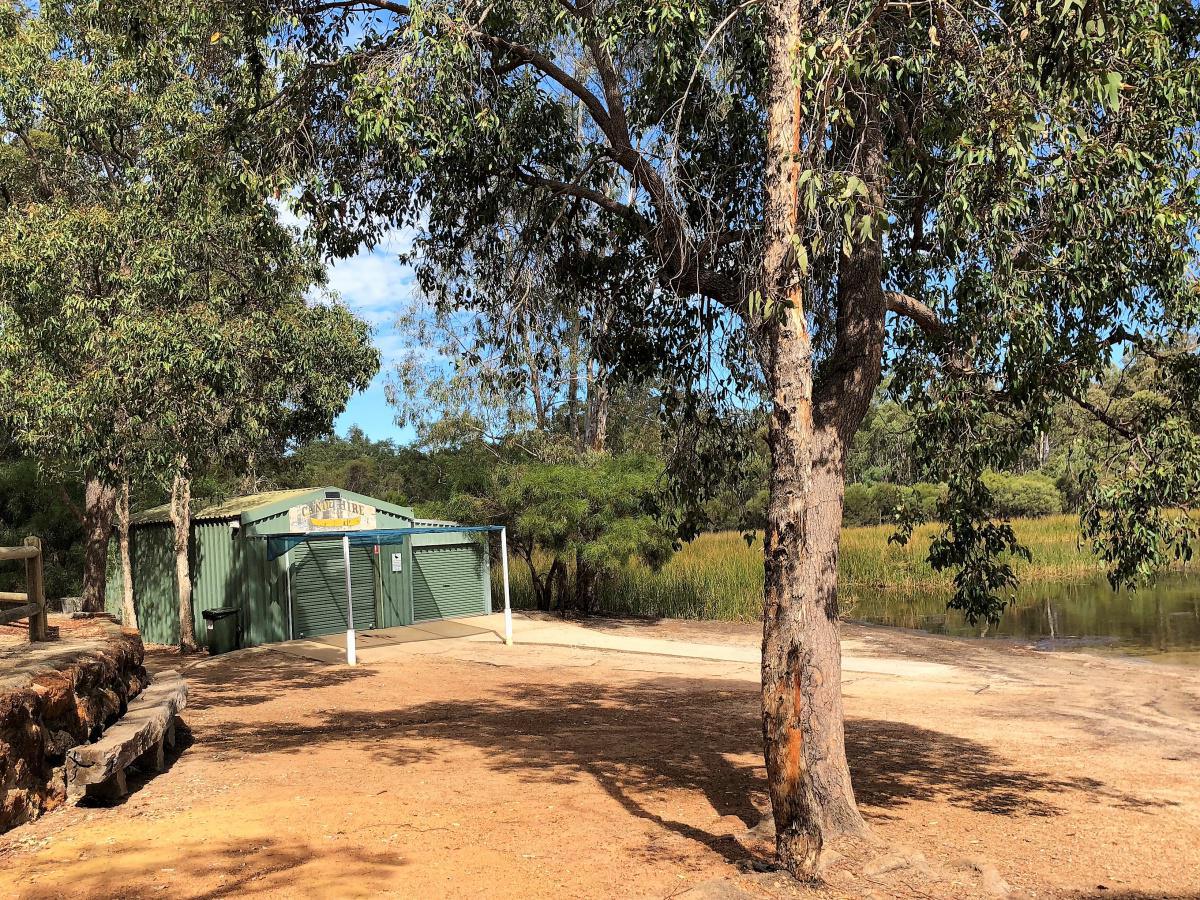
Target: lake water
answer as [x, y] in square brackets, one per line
[1160, 622]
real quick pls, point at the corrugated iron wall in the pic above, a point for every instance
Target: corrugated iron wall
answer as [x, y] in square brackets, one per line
[155, 591]
[450, 581]
[395, 597]
[230, 570]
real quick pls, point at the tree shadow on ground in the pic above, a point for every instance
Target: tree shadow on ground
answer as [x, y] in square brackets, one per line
[893, 762]
[262, 678]
[221, 869]
[643, 740]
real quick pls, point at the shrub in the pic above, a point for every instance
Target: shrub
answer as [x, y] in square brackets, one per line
[1023, 495]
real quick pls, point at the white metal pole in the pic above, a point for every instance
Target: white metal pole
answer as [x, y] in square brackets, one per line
[351, 655]
[287, 568]
[507, 605]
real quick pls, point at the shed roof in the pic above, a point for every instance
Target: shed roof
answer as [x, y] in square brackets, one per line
[229, 508]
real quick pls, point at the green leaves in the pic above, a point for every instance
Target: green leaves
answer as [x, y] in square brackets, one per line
[1109, 90]
[152, 306]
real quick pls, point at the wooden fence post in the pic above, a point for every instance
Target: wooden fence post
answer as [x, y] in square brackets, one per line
[35, 587]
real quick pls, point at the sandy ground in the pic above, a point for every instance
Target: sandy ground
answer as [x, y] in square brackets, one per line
[457, 768]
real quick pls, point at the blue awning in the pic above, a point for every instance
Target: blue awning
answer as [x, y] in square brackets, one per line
[279, 544]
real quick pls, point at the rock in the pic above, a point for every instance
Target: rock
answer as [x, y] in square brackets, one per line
[59, 743]
[881, 865]
[764, 830]
[54, 696]
[989, 876]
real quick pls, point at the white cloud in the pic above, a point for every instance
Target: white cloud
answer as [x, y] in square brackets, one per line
[374, 284]
[377, 286]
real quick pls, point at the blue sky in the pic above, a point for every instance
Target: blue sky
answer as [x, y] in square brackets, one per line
[376, 285]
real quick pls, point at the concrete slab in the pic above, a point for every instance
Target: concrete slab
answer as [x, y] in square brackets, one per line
[382, 644]
[331, 648]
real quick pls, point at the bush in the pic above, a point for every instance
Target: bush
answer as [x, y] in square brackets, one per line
[926, 496]
[860, 507]
[876, 504]
[1023, 495]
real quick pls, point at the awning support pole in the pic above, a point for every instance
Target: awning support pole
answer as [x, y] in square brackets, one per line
[507, 605]
[351, 655]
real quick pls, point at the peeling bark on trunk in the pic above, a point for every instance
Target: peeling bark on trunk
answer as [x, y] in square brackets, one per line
[803, 731]
[181, 518]
[596, 436]
[128, 613]
[99, 506]
[813, 420]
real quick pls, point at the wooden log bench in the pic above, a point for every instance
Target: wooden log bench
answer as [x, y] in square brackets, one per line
[139, 738]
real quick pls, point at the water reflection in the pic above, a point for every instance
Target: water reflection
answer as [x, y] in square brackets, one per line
[1161, 622]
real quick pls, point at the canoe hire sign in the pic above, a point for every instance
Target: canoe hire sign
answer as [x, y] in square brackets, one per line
[337, 514]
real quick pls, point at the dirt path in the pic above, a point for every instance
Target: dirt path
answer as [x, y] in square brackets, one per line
[471, 769]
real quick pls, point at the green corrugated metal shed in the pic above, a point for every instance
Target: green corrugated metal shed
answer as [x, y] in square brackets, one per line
[302, 593]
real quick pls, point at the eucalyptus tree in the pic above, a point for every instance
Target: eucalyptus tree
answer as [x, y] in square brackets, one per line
[153, 310]
[992, 196]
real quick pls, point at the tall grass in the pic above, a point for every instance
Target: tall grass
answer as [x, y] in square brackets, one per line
[717, 576]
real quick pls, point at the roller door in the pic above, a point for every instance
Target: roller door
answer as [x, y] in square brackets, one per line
[449, 582]
[319, 588]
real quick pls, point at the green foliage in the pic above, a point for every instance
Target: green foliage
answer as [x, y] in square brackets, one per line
[883, 445]
[883, 502]
[719, 576]
[1142, 496]
[1035, 190]
[600, 511]
[34, 502]
[153, 310]
[1022, 495]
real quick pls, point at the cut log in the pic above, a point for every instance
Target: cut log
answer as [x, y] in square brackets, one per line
[15, 613]
[98, 769]
[28, 552]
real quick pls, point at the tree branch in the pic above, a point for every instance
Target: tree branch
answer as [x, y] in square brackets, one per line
[548, 67]
[568, 189]
[350, 6]
[1100, 415]
[915, 311]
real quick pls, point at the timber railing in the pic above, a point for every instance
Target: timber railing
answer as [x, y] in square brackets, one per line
[32, 603]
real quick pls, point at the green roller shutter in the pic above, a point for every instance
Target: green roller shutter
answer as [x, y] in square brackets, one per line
[449, 582]
[319, 588]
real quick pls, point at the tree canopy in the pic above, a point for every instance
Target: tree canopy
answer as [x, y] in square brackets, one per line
[1022, 153]
[154, 311]
[992, 199]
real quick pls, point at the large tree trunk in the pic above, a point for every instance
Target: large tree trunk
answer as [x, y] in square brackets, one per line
[803, 732]
[128, 613]
[181, 518]
[810, 428]
[98, 508]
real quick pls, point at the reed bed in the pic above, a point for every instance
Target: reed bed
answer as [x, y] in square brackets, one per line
[719, 576]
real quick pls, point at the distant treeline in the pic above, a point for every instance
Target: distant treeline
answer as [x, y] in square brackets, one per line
[1015, 496]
